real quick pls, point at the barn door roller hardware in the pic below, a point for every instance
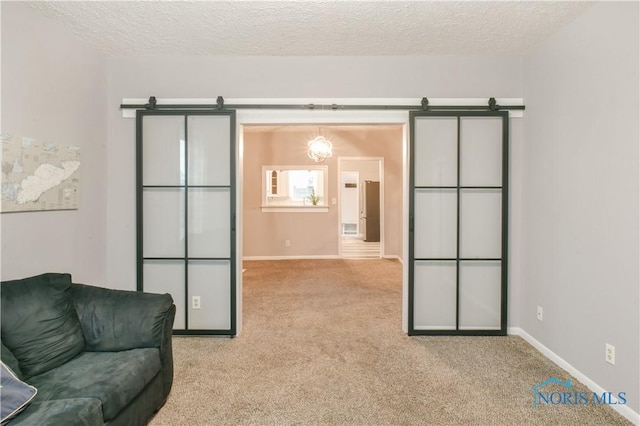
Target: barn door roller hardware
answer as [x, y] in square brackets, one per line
[492, 105]
[425, 105]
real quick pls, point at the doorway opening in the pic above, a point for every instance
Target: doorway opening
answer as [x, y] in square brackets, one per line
[362, 207]
[254, 225]
[375, 150]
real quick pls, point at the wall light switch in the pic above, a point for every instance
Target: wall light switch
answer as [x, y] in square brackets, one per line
[195, 302]
[334, 201]
[539, 313]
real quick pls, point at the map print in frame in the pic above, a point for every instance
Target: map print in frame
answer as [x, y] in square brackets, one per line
[37, 175]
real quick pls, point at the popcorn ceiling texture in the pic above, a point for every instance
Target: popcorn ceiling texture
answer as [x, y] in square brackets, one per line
[312, 28]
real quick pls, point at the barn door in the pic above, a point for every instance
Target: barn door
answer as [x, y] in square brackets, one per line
[186, 215]
[458, 223]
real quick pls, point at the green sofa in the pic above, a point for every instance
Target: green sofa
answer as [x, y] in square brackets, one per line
[96, 356]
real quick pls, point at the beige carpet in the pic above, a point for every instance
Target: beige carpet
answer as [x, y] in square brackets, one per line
[322, 344]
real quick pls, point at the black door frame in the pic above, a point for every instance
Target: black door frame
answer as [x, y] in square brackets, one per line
[504, 115]
[140, 114]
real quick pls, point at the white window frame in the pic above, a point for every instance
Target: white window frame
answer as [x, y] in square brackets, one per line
[282, 206]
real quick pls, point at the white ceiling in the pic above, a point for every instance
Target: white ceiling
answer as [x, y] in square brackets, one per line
[318, 28]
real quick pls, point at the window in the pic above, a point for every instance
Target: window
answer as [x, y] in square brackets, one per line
[294, 188]
[274, 182]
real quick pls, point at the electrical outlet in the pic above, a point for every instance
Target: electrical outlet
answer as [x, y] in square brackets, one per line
[195, 302]
[610, 354]
[539, 313]
[287, 243]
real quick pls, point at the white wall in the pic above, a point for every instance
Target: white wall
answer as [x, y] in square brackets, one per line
[54, 89]
[580, 196]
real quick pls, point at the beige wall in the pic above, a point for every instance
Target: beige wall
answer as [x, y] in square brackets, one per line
[315, 234]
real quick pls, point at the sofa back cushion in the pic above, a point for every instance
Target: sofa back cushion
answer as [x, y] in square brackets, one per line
[39, 322]
[10, 360]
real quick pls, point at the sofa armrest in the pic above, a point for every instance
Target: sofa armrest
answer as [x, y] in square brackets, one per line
[116, 320]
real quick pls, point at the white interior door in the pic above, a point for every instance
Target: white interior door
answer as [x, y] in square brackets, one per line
[186, 215]
[349, 204]
[458, 222]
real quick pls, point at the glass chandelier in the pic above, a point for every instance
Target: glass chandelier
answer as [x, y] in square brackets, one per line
[319, 149]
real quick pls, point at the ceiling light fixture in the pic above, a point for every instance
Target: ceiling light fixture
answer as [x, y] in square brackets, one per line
[319, 149]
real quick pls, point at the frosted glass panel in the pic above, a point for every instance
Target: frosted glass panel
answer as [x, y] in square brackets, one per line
[163, 222]
[210, 280]
[209, 222]
[435, 213]
[481, 151]
[480, 295]
[436, 151]
[163, 150]
[434, 295]
[480, 223]
[209, 150]
[167, 276]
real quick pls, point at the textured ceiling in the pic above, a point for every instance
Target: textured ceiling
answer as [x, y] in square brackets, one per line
[295, 28]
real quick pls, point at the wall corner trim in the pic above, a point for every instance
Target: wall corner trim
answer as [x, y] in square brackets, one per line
[624, 410]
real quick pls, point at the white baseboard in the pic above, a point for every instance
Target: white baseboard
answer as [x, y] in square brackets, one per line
[393, 257]
[328, 256]
[316, 257]
[624, 410]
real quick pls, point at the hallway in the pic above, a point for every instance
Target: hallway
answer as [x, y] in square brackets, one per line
[356, 248]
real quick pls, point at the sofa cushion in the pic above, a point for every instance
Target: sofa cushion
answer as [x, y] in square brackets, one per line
[39, 322]
[115, 378]
[14, 394]
[67, 412]
[118, 320]
[10, 360]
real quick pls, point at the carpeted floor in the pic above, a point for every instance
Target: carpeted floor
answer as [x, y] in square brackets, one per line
[322, 345]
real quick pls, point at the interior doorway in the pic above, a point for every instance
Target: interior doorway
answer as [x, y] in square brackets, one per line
[375, 121]
[362, 207]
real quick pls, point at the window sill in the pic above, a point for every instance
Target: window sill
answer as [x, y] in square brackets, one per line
[295, 209]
